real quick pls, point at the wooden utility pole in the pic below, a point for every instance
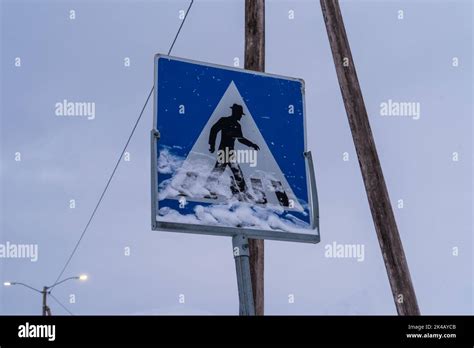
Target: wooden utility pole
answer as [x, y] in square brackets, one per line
[377, 194]
[255, 60]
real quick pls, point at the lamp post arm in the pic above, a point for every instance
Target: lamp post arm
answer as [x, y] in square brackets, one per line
[27, 286]
[60, 282]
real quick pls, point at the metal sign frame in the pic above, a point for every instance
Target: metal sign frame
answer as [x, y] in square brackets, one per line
[312, 236]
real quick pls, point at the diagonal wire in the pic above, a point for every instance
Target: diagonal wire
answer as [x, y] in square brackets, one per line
[59, 303]
[105, 189]
[120, 157]
[179, 30]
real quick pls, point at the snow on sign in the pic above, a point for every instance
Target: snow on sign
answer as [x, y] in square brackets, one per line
[229, 153]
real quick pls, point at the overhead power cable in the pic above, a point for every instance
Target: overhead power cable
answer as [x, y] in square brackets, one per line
[59, 303]
[120, 157]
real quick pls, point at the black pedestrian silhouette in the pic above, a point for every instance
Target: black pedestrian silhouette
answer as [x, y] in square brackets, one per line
[230, 132]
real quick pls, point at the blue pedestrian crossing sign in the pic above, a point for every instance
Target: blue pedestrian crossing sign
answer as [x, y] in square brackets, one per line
[229, 153]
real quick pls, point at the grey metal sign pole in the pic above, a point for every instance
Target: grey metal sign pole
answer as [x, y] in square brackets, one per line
[240, 246]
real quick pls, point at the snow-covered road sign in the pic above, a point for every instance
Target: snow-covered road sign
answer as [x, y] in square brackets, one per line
[229, 153]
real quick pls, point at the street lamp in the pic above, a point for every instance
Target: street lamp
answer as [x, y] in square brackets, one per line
[81, 277]
[47, 289]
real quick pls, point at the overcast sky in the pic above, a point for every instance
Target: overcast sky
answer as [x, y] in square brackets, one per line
[64, 158]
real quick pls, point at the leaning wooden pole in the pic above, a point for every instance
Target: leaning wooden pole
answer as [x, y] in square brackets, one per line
[255, 60]
[377, 194]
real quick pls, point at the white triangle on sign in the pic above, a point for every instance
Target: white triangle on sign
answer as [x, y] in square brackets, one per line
[265, 183]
